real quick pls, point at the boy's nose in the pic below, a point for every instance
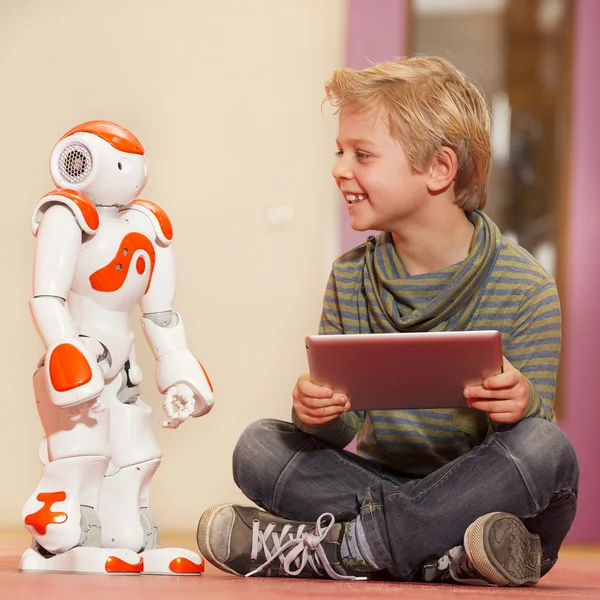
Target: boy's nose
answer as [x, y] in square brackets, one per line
[341, 170]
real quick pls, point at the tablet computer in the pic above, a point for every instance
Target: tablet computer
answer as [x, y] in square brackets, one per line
[398, 371]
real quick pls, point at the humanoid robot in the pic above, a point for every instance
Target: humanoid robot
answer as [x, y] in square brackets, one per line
[99, 253]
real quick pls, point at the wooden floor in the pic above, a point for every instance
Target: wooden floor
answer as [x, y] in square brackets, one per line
[576, 575]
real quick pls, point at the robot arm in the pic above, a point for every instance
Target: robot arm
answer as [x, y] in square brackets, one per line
[179, 375]
[72, 372]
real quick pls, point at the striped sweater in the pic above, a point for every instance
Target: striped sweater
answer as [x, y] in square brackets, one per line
[507, 290]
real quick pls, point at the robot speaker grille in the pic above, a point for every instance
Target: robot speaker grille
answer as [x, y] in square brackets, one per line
[75, 163]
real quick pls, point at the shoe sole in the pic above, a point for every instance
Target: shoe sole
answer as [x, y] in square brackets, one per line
[503, 551]
[202, 537]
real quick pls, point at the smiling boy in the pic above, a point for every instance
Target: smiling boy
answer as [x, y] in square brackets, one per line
[480, 495]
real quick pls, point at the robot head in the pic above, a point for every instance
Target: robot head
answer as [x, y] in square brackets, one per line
[102, 160]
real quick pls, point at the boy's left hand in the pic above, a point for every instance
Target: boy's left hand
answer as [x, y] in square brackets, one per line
[503, 397]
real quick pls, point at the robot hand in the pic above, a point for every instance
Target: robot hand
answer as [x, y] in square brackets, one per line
[179, 404]
[178, 369]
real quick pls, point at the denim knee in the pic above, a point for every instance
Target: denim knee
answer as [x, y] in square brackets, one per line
[544, 456]
[259, 457]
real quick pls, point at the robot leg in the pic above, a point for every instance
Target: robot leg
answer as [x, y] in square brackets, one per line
[125, 497]
[127, 521]
[61, 514]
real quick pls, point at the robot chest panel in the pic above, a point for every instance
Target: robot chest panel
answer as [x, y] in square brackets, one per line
[115, 266]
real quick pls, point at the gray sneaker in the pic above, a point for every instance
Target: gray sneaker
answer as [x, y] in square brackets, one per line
[248, 541]
[498, 550]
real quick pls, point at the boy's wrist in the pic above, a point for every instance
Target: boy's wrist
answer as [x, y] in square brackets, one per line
[303, 426]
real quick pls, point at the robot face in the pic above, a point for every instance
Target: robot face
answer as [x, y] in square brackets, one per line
[110, 170]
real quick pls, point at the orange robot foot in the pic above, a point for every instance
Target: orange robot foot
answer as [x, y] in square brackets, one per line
[108, 561]
[172, 561]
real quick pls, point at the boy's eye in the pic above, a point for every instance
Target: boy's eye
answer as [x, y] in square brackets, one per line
[359, 155]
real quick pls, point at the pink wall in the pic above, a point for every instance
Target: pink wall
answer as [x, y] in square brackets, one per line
[376, 32]
[581, 352]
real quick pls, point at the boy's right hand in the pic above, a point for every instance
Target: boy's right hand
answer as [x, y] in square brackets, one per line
[315, 404]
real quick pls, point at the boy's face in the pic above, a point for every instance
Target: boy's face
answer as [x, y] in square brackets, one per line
[380, 188]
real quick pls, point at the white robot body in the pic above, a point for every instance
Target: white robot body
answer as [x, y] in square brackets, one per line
[114, 272]
[99, 254]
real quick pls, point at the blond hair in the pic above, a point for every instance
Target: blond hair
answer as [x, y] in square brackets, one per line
[429, 104]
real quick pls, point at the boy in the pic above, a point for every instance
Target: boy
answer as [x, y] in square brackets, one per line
[480, 495]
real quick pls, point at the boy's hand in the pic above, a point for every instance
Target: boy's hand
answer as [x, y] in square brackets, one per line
[503, 397]
[315, 404]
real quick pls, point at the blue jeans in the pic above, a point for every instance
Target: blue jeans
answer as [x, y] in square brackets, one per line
[528, 469]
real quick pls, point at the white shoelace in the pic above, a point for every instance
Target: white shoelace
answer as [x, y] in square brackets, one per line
[301, 549]
[460, 568]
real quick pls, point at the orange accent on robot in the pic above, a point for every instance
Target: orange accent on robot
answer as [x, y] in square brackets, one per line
[111, 277]
[160, 214]
[42, 518]
[118, 137]
[68, 368]
[206, 375]
[86, 206]
[117, 565]
[184, 565]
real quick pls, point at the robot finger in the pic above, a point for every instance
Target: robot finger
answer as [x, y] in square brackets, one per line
[97, 406]
[74, 413]
[171, 424]
[190, 405]
[168, 404]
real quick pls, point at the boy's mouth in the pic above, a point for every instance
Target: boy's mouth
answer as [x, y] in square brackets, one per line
[355, 198]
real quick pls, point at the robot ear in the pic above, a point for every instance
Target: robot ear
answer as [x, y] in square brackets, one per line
[74, 164]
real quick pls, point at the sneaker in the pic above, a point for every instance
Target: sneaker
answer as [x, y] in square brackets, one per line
[498, 550]
[248, 541]
[453, 567]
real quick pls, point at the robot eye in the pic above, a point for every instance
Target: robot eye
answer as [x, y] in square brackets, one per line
[124, 165]
[75, 163]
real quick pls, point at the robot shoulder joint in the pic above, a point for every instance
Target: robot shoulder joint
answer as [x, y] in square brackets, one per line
[159, 218]
[83, 209]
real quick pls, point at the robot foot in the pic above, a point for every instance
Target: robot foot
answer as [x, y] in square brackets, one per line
[171, 561]
[84, 559]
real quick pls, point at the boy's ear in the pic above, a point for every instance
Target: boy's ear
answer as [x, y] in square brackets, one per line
[442, 170]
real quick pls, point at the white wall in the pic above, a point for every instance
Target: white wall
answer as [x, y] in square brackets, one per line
[225, 96]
